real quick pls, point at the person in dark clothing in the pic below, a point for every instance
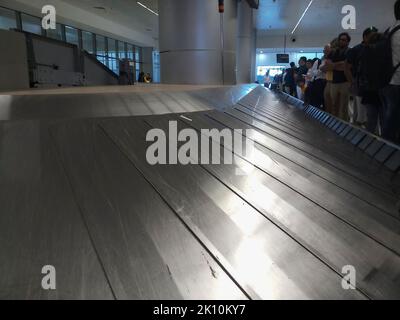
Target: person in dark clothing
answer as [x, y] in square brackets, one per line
[141, 77]
[366, 103]
[302, 69]
[391, 93]
[290, 83]
[300, 74]
[317, 84]
[276, 82]
[340, 88]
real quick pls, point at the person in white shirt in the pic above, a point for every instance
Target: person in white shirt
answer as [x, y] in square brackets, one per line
[391, 94]
[308, 78]
[316, 72]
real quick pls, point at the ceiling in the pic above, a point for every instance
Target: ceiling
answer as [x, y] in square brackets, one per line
[125, 12]
[279, 17]
[274, 17]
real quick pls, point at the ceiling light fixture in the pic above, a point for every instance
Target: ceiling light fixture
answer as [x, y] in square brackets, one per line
[141, 4]
[302, 17]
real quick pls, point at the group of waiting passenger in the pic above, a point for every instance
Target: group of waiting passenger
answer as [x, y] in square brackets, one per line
[359, 84]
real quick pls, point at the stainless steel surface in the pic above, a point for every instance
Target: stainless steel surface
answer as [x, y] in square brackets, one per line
[40, 222]
[315, 171]
[146, 250]
[350, 161]
[335, 240]
[354, 211]
[114, 101]
[255, 247]
[79, 194]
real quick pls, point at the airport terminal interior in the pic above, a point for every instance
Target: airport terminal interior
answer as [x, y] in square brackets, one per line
[199, 149]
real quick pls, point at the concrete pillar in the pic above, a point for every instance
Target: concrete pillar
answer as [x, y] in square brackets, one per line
[191, 49]
[147, 60]
[246, 44]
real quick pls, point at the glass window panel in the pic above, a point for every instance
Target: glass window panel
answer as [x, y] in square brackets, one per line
[156, 66]
[156, 57]
[31, 24]
[112, 48]
[87, 40]
[130, 52]
[55, 34]
[121, 50]
[101, 49]
[101, 45]
[8, 19]
[138, 62]
[137, 54]
[113, 64]
[71, 35]
[102, 59]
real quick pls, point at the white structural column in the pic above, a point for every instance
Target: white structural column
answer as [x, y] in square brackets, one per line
[147, 60]
[246, 44]
[191, 50]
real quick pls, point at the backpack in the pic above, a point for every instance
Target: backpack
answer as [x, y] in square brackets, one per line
[375, 70]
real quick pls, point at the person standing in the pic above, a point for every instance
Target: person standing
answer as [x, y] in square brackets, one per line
[141, 77]
[318, 85]
[361, 113]
[267, 79]
[300, 75]
[302, 69]
[326, 82]
[328, 77]
[289, 80]
[301, 89]
[308, 76]
[391, 93]
[340, 88]
[309, 79]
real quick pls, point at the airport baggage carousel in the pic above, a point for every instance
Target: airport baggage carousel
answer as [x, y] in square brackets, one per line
[77, 193]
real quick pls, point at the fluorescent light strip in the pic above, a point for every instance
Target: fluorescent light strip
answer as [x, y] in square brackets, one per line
[302, 17]
[141, 4]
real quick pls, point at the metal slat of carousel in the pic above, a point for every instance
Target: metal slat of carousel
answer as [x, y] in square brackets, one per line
[78, 193]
